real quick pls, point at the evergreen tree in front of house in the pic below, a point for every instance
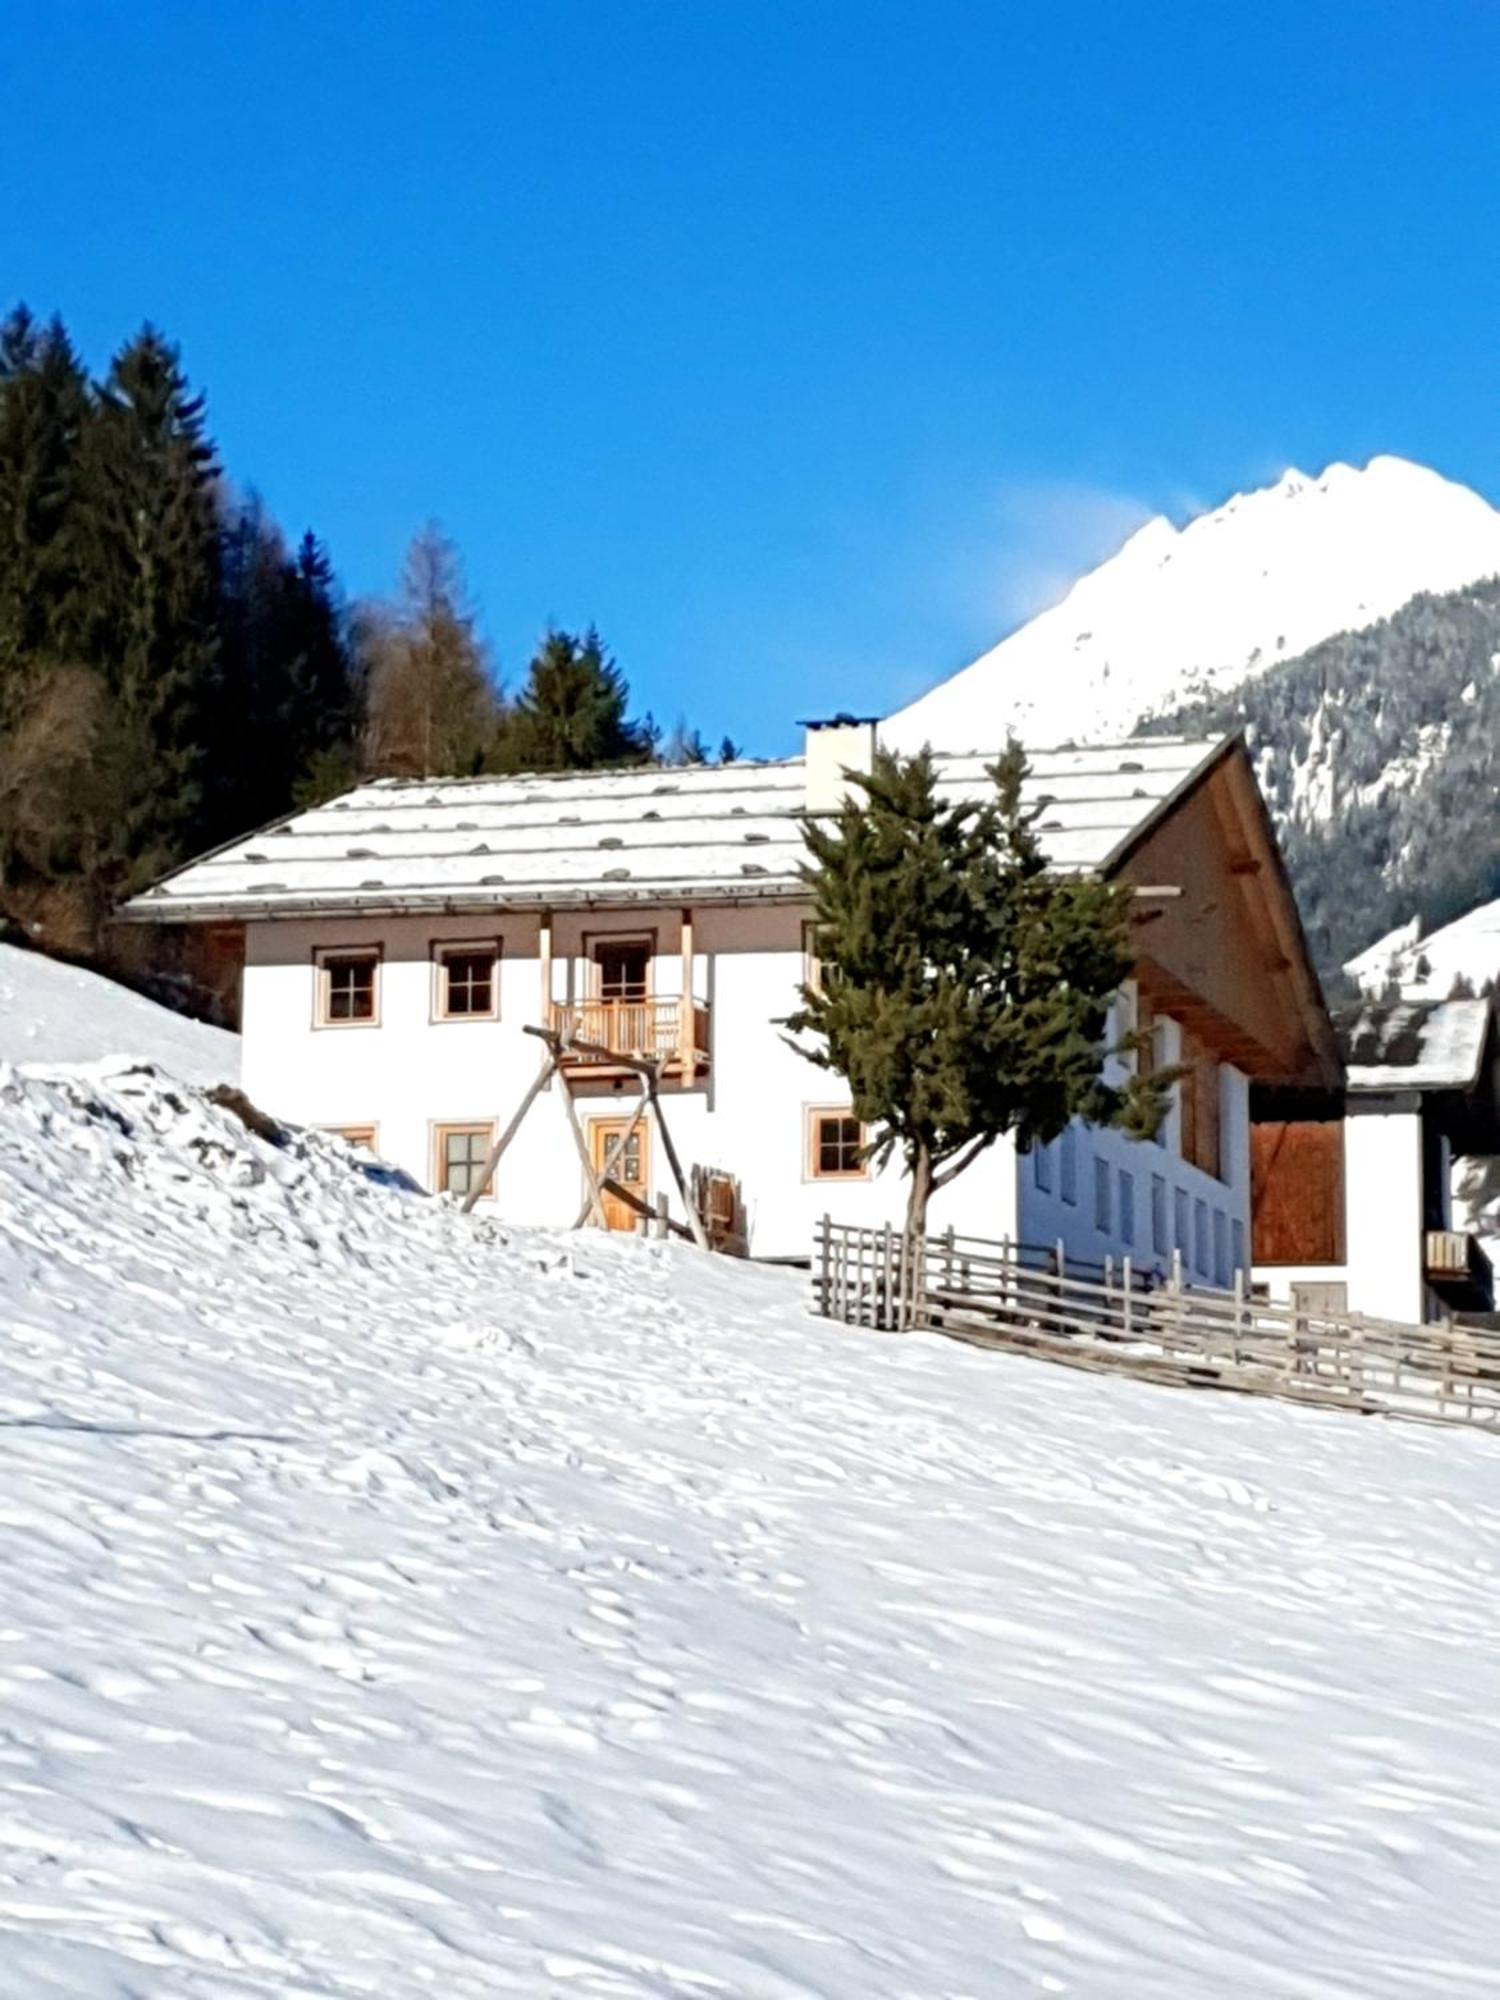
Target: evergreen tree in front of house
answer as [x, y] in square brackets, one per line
[965, 990]
[571, 713]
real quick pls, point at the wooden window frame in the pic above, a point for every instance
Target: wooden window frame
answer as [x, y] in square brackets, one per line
[323, 954]
[440, 950]
[811, 1170]
[345, 1132]
[591, 941]
[445, 1128]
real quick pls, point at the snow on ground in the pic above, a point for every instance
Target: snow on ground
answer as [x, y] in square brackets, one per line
[391, 1605]
[56, 1013]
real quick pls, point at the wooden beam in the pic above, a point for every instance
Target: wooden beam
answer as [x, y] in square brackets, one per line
[544, 958]
[613, 1157]
[595, 1201]
[632, 1200]
[538, 1084]
[695, 1221]
[686, 1036]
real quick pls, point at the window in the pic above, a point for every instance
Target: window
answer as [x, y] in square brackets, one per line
[1182, 1225]
[1237, 1235]
[1126, 1204]
[461, 1151]
[1203, 1255]
[347, 988]
[467, 981]
[1198, 1094]
[624, 968]
[812, 957]
[1067, 1158]
[1102, 1192]
[836, 1143]
[1221, 1249]
[1159, 1243]
[362, 1136]
[1041, 1168]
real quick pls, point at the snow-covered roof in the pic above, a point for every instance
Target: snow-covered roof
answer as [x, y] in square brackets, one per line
[1414, 1044]
[726, 833]
[1425, 967]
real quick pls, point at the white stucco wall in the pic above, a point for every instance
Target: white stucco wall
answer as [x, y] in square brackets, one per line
[1154, 1200]
[412, 1073]
[749, 1117]
[1383, 1237]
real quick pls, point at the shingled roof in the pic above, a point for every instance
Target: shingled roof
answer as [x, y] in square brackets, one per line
[726, 833]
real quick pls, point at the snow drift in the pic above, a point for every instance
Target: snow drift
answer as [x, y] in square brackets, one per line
[395, 1605]
[1178, 613]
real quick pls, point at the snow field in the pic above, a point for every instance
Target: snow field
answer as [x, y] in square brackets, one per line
[395, 1605]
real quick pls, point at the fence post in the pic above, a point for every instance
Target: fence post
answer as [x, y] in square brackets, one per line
[1127, 1278]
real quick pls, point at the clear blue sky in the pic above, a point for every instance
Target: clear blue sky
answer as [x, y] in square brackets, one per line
[802, 348]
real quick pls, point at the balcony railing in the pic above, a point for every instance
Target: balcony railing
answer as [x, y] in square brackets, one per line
[1458, 1267]
[645, 1029]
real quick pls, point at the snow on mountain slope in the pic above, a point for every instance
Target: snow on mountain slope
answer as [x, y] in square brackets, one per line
[391, 1605]
[1179, 612]
[51, 1012]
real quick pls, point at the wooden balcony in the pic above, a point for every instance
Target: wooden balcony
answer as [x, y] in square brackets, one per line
[1458, 1269]
[644, 1029]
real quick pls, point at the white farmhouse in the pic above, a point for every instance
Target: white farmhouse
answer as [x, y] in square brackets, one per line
[398, 941]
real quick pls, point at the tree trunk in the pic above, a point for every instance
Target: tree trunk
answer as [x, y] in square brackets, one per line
[919, 1168]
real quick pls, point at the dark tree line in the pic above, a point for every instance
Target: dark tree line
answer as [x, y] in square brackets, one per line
[174, 672]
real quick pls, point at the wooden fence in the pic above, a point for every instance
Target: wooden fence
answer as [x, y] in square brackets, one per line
[1116, 1319]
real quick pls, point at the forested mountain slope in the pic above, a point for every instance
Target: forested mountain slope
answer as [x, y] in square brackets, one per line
[1379, 752]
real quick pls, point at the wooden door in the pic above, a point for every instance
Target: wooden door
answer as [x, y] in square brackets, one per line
[632, 1170]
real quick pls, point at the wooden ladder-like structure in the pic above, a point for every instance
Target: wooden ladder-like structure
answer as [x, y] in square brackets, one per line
[560, 1044]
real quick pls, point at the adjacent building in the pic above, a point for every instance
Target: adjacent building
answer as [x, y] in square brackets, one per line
[398, 942]
[1352, 1190]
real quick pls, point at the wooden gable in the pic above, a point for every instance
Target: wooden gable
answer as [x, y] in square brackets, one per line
[1219, 942]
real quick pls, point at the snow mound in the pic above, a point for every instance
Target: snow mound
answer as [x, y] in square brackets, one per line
[1180, 612]
[393, 1605]
[56, 1013]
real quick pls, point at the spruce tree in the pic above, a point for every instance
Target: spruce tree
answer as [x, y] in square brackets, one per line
[44, 405]
[571, 713]
[148, 545]
[965, 990]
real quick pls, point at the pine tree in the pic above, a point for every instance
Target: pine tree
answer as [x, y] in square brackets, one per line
[571, 713]
[44, 405]
[965, 990]
[432, 706]
[148, 550]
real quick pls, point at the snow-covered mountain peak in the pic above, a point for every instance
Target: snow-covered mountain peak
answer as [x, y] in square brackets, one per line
[1179, 612]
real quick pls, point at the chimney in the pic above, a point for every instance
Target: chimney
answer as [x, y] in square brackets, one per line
[835, 747]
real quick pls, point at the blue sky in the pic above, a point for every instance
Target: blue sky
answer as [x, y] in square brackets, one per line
[803, 349]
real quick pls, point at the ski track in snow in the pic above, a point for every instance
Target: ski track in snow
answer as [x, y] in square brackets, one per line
[393, 1605]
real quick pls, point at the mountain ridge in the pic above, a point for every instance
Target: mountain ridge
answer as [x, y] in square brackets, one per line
[1181, 615]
